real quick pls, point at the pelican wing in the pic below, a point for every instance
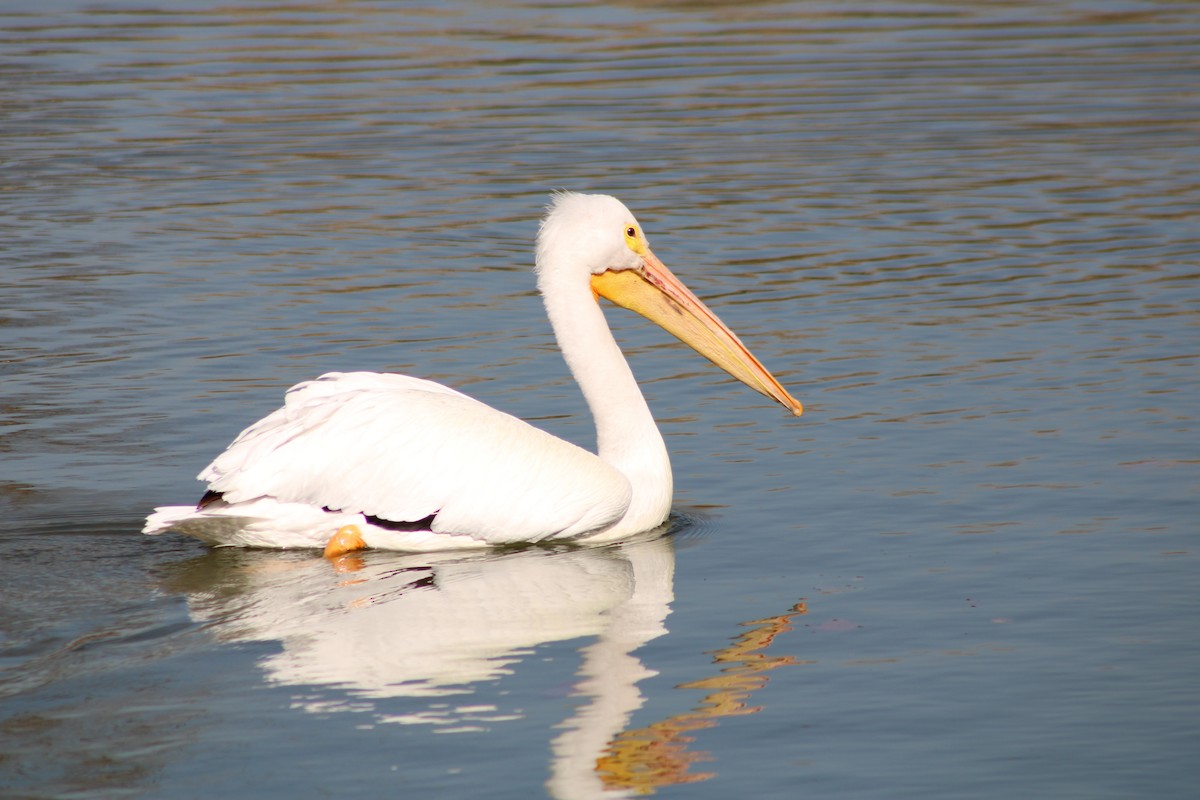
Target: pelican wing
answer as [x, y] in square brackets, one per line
[404, 450]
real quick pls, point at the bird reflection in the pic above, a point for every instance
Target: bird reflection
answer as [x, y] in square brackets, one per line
[386, 625]
[658, 754]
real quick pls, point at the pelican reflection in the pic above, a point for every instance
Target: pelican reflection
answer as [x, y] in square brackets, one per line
[385, 625]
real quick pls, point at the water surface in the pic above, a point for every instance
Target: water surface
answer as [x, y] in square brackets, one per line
[966, 236]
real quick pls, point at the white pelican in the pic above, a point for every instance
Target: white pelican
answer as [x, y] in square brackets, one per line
[361, 459]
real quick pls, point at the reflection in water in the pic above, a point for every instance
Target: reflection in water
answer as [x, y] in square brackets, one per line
[426, 625]
[657, 754]
[384, 626]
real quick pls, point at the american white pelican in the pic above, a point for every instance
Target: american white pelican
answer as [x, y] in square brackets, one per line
[360, 459]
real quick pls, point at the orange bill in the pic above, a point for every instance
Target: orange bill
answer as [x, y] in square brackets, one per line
[655, 293]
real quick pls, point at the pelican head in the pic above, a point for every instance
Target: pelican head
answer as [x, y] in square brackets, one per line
[587, 234]
[595, 238]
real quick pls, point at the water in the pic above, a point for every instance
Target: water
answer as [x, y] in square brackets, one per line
[966, 236]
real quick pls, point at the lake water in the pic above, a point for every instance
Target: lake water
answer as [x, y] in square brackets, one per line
[965, 235]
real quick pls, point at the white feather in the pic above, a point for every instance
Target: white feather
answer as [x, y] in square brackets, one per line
[405, 449]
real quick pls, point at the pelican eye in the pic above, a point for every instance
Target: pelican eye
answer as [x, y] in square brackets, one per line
[632, 241]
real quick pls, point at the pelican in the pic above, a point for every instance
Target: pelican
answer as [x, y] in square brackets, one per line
[365, 460]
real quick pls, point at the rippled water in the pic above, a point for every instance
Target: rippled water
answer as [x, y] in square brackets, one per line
[967, 236]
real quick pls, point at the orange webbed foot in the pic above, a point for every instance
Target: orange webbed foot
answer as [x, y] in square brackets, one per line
[347, 539]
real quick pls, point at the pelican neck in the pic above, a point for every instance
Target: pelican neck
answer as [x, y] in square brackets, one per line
[627, 437]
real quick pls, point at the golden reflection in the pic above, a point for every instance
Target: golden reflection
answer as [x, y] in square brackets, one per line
[643, 759]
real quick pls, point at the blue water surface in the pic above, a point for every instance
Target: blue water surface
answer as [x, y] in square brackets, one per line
[964, 235]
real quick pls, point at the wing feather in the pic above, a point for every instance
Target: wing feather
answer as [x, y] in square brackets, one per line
[404, 449]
